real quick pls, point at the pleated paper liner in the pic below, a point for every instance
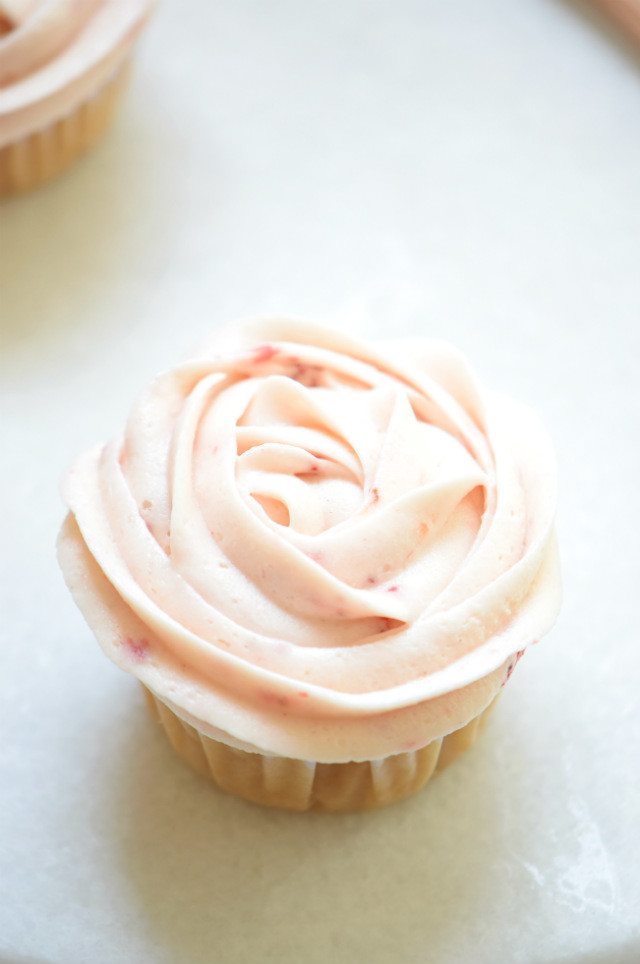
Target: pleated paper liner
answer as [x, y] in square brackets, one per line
[301, 785]
[37, 158]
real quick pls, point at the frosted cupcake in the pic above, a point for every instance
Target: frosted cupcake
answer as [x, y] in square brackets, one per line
[321, 557]
[63, 64]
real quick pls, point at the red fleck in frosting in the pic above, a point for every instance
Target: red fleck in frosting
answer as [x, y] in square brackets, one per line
[328, 566]
[137, 649]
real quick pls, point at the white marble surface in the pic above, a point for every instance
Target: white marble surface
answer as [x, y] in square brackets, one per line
[464, 169]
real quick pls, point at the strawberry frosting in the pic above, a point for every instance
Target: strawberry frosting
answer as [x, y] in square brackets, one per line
[314, 546]
[55, 54]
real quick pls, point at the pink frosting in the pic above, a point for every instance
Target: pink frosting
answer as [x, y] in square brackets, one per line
[58, 53]
[317, 547]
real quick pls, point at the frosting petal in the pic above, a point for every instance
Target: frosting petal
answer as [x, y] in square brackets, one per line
[54, 54]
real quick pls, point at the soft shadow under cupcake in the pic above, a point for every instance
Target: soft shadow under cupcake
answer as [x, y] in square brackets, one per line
[220, 879]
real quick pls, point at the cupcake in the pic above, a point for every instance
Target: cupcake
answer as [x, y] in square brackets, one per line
[321, 557]
[63, 64]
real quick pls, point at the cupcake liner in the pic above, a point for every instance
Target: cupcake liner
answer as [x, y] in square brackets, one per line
[37, 158]
[302, 785]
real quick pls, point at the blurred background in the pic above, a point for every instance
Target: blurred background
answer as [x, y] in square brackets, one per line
[464, 170]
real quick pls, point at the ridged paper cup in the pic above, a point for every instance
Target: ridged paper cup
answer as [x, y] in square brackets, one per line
[274, 781]
[40, 156]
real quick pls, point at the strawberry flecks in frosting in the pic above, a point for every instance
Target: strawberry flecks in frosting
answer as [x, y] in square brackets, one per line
[373, 543]
[263, 353]
[137, 649]
[387, 624]
[273, 698]
[512, 665]
[309, 375]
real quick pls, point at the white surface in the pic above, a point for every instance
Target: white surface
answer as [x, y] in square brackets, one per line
[465, 169]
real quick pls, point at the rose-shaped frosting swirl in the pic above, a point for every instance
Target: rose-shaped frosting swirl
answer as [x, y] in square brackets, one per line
[56, 53]
[317, 547]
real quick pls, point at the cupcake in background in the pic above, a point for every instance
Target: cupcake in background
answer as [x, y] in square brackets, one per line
[63, 65]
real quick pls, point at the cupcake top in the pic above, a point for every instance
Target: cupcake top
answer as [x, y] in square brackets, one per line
[314, 546]
[54, 54]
